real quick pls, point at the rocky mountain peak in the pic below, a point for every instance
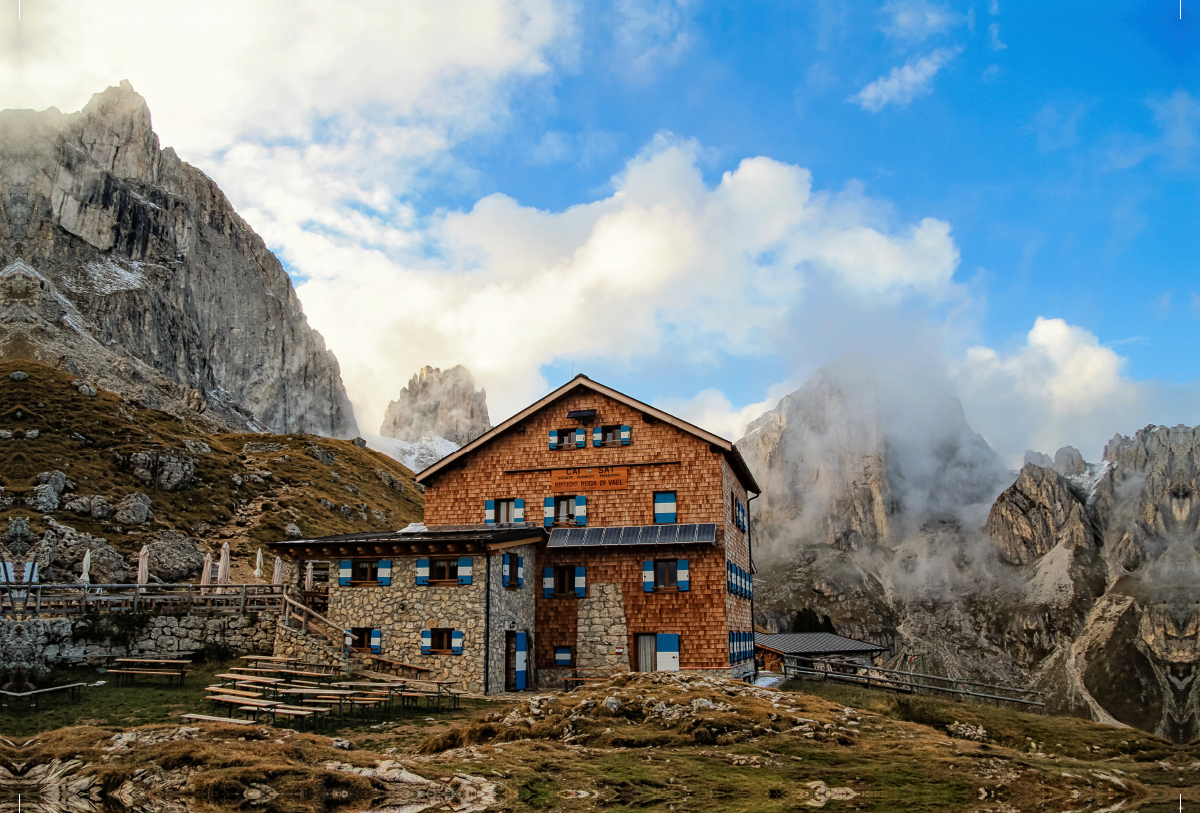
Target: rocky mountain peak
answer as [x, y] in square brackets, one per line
[128, 267]
[438, 404]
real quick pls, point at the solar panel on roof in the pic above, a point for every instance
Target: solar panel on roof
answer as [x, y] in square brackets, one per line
[649, 535]
[612, 536]
[667, 534]
[575, 536]
[706, 532]
[630, 533]
[687, 533]
[594, 536]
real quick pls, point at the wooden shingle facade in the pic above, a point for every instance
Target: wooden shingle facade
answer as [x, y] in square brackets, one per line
[630, 528]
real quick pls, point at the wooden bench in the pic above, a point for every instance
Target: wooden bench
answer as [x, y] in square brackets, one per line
[232, 692]
[208, 718]
[33, 697]
[129, 674]
[391, 664]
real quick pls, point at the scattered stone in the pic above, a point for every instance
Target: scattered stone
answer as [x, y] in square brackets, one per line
[55, 479]
[612, 704]
[196, 446]
[293, 531]
[390, 480]
[264, 474]
[967, 732]
[18, 375]
[32, 434]
[6, 434]
[337, 742]
[237, 480]
[84, 387]
[18, 532]
[324, 502]
[353, 489]
[134, 510]
[360, 443]
[101, 508]
[262, 448]
[320, 455]
[167, 469]
[80, 505]
[44, 499]
[80, 439]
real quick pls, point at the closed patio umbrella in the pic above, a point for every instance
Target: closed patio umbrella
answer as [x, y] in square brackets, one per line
[277, 575]
[206, 573]
[143, 574]
[85, 576]
[308, 577]
[223, 565]
[258, 565]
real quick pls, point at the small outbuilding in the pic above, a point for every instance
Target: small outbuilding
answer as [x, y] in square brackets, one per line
[775, 651]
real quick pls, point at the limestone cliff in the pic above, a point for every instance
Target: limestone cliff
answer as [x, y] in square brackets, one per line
[438, 404]
[126, 266]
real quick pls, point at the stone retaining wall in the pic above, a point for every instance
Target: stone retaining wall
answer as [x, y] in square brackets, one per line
[40, 644]
[308, 648]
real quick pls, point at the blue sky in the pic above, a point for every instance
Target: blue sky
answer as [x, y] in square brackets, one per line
[700, 203]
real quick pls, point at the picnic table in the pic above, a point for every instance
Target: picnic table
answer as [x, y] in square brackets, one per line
[341, 695]
[31, 698]
[164, 667]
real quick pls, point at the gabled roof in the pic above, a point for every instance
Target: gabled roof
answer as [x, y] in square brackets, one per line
[813, 643]
[582, 381]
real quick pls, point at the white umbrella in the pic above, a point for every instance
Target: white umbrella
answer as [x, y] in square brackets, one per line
[258, 565]
[223, 565]
[277, 575]
[206, 574]
[85, 576]
[143, 575]
[308, 577]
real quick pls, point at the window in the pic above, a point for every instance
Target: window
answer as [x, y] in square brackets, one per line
[506, 510]
[610, 435]
[440, 640]
[564, 510]
[361, 638]
[366, 571]
[664, 507]
[443, 570]
[666, 574]
[566, 438]
[564, 581]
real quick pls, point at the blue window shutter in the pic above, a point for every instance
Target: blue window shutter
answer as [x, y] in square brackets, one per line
[647, 577]
[625, 435]
[553, 438]
[729, 575]
[548, 512]
[562, 656]
[548, 582]
[522, 664]
[520, 571]
[422, 571]
[489, 512]
[580, 582]
[597, 436]
[732, 656]
[456, 642]
[682, 575]
[506, 577]
[581, 510]
[426, 641]
[664, 507]
[518, 510]
[384, 577]
[347, 640]
[464, 570]
[580, 438]
[376, 641]
[345, 568]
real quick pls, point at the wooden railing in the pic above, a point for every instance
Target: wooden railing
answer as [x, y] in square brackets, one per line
[870, 677]
[51, 600]
[298, 617]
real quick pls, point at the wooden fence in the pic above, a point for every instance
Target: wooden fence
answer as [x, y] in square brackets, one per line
[64, 600]
[840, 670]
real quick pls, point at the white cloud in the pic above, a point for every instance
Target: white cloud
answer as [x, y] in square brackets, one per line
[665, 264]
[916, 20]
[1178, 120]
[650, 33]
[711, 410]
[1062, 387]
[905, 82]
[994, 38]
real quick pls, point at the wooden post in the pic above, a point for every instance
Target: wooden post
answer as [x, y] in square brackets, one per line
[242, 609]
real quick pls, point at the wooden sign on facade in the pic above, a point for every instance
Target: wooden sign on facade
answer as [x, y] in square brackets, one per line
[590, 478]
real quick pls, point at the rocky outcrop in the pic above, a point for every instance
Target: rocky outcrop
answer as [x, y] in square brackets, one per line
[174, 558]
[443, 404]
[130, 269]
[1037, 512]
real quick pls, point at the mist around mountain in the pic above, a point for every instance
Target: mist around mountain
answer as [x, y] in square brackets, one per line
[123, 265]
[885, 512]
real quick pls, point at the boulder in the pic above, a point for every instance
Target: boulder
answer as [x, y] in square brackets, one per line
[101, 508]
[134, 510]
[174, 558]
[44, 499]
[320, 455]
[390, 480]
[293, 531]
[80, 505]
[108, 566]
[84, 387]
[167, 469]
[18, 375]
[55, 479]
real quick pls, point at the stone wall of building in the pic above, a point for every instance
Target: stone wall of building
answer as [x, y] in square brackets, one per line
[293, 643]
[403, 609]
[39, 644]
[512, 610]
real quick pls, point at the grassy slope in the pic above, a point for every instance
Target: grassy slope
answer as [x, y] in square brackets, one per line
[212, 508]
[901, 760]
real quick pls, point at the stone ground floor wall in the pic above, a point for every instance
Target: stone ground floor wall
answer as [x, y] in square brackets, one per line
[307, 648]
[40, 644]
[511, 609]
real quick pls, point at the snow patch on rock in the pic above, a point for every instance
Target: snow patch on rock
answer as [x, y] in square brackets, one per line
[415, 456]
